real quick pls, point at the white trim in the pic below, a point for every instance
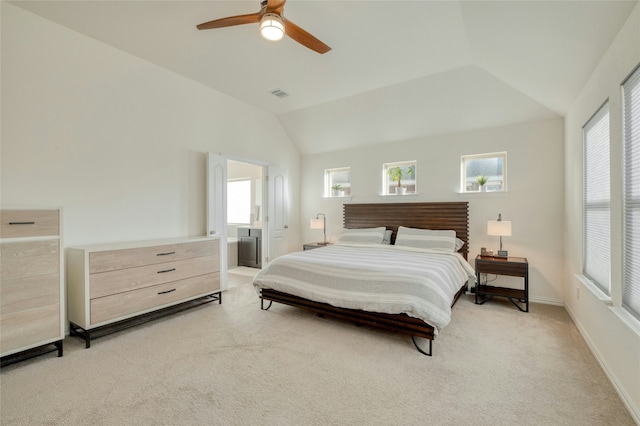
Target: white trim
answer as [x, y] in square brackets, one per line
[341, 199]
[398, 197]
[626, 400]
[546, 301]
[627, 318]
[595, 290]
[483, 194]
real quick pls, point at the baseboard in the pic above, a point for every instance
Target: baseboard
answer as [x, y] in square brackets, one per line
[633, 410]
[546, 301]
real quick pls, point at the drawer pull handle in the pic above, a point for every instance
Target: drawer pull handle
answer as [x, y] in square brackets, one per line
[22, 223]
[166, 254]
[167, 270]
[167, 291]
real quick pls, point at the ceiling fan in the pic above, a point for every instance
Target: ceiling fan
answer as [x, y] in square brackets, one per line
[273, 26]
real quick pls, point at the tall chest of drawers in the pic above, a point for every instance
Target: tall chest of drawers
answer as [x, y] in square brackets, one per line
[31, 283]
[111, 283]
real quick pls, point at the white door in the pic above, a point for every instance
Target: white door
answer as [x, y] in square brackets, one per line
[277, 219]
[217, 208]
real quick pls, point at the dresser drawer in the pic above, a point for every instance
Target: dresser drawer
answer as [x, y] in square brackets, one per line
[18, 294]
[29, 223]
[103, 261]
[28, 259]
[23, 329]
[113, 282]
[131, 302]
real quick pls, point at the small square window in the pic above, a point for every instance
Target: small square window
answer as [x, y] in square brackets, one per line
[399, 178]
[484, 172]
[337, 182]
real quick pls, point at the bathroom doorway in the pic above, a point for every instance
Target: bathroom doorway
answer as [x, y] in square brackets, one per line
[267, 210]
[244, 214]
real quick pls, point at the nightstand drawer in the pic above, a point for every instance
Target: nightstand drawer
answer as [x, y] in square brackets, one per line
[504, 268]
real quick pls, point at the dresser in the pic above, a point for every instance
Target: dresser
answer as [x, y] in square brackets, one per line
[114, 286]
[31, 283]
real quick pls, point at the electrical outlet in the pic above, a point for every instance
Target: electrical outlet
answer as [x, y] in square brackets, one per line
[578, 293]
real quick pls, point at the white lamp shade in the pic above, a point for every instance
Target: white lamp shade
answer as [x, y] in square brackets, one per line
[317, 224]
[500, 228]
[271, 27]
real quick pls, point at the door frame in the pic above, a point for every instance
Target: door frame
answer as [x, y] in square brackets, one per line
[213, 219]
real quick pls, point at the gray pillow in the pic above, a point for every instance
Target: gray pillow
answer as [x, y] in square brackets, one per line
[438, 240]
[363, 235]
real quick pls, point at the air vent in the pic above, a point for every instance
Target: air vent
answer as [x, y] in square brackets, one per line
[279, 93]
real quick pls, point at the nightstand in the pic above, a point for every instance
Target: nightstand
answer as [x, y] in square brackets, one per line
[311, 246]
[511, 266]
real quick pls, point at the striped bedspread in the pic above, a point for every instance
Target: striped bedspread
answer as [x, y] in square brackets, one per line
[374, 278]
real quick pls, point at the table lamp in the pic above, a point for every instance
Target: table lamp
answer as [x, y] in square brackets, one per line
[501, 228]
[318, 223]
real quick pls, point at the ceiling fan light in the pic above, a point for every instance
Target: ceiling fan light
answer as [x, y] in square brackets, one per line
[271, 27]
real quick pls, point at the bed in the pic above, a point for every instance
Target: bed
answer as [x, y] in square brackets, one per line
[406, 287]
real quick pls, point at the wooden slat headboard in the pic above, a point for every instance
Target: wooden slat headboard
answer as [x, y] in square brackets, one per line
[432, 215]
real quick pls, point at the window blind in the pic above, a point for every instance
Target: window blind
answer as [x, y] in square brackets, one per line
[631, 193]
[596, 201]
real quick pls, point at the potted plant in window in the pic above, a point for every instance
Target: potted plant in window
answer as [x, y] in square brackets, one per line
[337, 190]
[396, 174]
[481, 181]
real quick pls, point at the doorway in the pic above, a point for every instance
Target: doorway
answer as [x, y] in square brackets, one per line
[244, 215]
[269, 213]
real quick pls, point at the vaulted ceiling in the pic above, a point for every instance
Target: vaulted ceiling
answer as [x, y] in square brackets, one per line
[397, 69]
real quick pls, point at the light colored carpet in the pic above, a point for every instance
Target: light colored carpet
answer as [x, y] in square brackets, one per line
[233, 364]
[244, 270]
[240, 275]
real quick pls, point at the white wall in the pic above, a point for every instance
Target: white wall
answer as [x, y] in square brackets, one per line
[118, 142]
[533, 202]
[613, 336]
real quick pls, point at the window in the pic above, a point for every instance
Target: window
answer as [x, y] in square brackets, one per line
[631, 193]
[488, 168]
[399, 178]
[239, 201]
[337, 182]
[596, 199]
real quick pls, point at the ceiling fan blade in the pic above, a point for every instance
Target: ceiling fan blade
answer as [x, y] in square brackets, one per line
[304, 38]
[230, 21]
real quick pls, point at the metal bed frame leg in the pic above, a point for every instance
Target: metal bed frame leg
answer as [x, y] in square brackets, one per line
[262, 304]
[413, 338]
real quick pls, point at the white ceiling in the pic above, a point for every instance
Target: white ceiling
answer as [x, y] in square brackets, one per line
[397, 69]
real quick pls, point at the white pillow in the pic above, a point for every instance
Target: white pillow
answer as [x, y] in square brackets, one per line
[387, 236]
[363, 235]
[444, 240]
[459, 244]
